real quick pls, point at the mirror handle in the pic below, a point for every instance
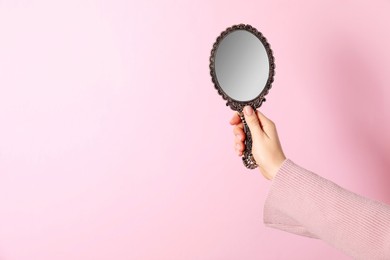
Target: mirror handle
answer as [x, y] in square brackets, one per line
[247, 157]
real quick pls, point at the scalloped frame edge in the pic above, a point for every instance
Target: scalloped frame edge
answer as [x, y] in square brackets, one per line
[257, 101]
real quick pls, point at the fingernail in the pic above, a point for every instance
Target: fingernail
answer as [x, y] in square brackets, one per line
[248, 110]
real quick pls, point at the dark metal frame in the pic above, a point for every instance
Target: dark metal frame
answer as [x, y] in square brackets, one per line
[256, 102]
[236, 105]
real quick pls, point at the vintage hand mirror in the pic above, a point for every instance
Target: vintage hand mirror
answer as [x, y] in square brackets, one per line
[242, 69]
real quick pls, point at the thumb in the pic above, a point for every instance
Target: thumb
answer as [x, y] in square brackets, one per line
[252, 121]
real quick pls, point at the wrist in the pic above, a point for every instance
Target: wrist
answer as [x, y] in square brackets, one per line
[271, 172]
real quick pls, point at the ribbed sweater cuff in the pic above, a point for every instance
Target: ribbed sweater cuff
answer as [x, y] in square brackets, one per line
[285, 195]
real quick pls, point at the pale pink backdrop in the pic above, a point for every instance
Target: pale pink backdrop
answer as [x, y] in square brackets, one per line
[114, 144]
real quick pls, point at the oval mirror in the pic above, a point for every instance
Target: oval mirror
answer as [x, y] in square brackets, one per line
[242, 69]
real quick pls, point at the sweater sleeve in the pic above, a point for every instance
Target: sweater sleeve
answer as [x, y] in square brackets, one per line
[304, 203]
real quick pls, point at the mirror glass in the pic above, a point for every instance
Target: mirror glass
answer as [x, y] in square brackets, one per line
[241, 65]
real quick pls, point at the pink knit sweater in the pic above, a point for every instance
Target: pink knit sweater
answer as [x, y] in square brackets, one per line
[304, 203]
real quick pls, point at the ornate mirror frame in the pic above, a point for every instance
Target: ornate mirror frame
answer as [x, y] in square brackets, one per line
[257, 101]
[236, 105]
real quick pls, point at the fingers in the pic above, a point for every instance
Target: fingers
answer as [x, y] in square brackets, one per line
[239, 134]
[253, 122]
[238, 131]
[235, 119]
[239, 139]
[239, 148]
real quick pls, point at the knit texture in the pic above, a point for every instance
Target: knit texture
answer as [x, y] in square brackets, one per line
[304, 203]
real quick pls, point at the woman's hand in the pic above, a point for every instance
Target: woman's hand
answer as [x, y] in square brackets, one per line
[266, 147]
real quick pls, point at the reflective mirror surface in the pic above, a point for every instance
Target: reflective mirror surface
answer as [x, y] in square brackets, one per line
[242, 65]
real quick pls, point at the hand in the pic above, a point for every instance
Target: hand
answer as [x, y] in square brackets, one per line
[266, 147]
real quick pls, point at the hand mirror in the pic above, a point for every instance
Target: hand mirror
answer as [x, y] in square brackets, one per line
[242, 69]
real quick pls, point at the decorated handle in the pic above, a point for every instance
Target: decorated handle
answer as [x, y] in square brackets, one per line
[247, 158]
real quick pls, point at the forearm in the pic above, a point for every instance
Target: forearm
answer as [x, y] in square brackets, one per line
[307, 204]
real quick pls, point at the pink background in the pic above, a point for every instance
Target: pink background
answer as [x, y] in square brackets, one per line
[114, 144]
